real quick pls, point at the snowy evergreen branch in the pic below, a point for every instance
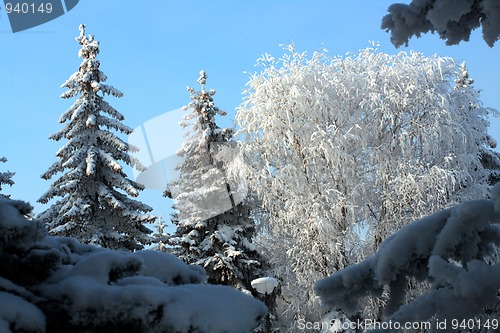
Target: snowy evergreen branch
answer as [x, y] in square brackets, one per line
[450, 249]
[452, 20]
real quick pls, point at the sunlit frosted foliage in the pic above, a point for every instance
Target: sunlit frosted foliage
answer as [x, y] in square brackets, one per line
[343, 151]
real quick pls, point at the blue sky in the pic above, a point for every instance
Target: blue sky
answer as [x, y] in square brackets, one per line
[150, 50]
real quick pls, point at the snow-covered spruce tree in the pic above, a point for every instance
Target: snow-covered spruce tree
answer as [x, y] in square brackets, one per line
[452, 20]
[450, 249]
[5, 178]
[95, 205]
[468, 100]
[345, 151]
[160, 237]
[214, 229]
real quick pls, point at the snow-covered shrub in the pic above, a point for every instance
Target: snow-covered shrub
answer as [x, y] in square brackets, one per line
[56, 284]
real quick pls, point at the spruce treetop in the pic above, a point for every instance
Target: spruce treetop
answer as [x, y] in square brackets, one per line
[203, 107]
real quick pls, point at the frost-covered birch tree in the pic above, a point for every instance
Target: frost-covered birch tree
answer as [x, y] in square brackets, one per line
[5, 178]
[343, 151]
[214, 223]
[452, 20]
[95, 205]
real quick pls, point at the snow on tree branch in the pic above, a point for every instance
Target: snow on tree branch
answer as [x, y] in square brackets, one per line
[453, 20]
[448, 248]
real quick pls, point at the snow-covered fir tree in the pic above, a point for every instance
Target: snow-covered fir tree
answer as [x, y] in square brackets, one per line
[214, 228]
[95, 205]
[344, 151]
[5, 178]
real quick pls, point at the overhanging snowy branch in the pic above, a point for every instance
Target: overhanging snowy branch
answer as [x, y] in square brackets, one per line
[452, 20]
[449, 249]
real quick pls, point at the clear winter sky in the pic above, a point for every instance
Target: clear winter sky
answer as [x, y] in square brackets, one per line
[150, 50]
